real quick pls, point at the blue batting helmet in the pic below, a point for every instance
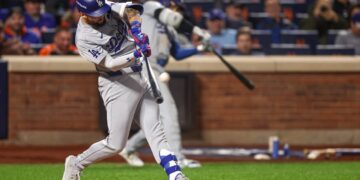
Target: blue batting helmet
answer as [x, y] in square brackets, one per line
[93, 8]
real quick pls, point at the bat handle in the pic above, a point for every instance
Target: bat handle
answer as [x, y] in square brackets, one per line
[159, 99]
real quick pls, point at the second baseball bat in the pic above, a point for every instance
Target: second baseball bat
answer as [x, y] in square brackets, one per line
[236, 72]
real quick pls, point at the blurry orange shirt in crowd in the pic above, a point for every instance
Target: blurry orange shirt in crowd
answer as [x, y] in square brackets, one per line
[52, 50]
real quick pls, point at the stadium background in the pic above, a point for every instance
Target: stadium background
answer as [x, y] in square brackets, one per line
[50, 106]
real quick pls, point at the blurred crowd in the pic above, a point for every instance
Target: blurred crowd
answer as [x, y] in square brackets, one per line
[242, 27]
[30, 27]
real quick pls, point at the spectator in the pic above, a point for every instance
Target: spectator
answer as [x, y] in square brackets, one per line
[236, 15]
[57, 8]
[322, 18]
[274, 21]
[15, 28]
[220, 35]
[351, 37]
[342, 8]
[12, 46]
[61, 45]
[244, 43]
[70, 18]
[35, 20]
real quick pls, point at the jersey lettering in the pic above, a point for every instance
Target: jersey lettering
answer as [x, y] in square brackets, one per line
[115, 42]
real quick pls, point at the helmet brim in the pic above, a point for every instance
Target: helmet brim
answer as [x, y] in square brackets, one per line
[100, 12]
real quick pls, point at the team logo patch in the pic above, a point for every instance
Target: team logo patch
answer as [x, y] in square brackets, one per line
[100, 3]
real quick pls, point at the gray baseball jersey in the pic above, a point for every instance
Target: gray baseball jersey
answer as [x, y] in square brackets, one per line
[125, 92]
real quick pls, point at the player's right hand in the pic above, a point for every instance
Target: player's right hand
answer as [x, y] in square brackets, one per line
[143, 50]
[204, 47]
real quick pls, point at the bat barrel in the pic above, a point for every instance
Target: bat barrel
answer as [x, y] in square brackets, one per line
[236, 72]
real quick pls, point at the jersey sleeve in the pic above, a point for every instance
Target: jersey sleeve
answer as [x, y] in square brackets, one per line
[92, 52]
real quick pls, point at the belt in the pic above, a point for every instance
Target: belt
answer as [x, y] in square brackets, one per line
[123, 71]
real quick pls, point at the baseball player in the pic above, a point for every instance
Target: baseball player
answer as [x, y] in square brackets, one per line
[109, 35]
[161, 23]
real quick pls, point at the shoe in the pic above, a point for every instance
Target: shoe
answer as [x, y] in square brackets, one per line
[132, 159]
[71, 172]
[189, 163]
[181, 176]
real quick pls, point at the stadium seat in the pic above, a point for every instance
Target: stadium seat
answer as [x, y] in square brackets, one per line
[300, 17]
[262, 38]
[3, 13]
[37, 47]
[253, 5]
[297, 6]
[48, 36]
[332, 35]
[256, 17]
[309, 37]
[334, 50]
[233, 50]
[289, 49]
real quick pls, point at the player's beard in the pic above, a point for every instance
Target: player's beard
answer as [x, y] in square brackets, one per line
[96, 22]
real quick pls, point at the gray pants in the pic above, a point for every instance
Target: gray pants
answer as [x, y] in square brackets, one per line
[169, 117]
[126, 97]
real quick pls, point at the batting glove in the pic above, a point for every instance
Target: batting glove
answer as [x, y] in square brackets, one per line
[137, 53]
[143, 50]
[203, 47]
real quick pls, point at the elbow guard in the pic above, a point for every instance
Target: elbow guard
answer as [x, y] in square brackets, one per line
[169, 17]
[173, 19]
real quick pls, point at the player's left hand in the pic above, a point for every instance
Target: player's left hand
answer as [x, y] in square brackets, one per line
[204, 47]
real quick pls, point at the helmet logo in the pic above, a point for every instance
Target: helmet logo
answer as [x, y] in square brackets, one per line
[100, 3]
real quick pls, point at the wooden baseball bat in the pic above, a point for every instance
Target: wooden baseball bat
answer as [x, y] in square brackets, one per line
[236, 72]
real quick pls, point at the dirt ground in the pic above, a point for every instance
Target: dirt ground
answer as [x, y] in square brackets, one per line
[28, 154]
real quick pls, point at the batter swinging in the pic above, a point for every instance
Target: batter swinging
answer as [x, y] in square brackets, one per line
[109, 35]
